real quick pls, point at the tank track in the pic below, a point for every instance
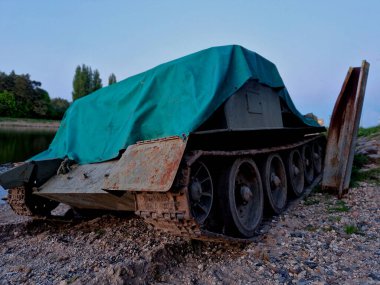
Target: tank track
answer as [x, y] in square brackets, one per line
[170, 211]
[17, 201]
[23, 203]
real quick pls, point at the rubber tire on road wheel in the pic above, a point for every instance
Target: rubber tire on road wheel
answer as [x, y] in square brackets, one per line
[241, 218]
[296, 180]
[276, 195]
[317, 156]
[307, 157]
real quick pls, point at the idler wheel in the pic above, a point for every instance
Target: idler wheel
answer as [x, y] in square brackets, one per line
[241, 198]
[274, 182]
[307, 157]
[200, 191]
[317, 157]
[295, 170]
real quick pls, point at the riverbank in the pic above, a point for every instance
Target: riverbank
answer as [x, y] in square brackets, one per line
[28, 123]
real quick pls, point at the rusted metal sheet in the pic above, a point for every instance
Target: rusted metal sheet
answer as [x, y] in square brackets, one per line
[147, 166]
[343, 131]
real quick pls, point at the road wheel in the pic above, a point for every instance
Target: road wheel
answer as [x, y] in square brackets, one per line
[317, 157]
[201, 191]
[295, 171]
[241, 198]
[307, 157]
[274, 182]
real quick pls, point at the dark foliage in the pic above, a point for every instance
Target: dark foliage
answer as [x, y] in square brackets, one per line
[21, 97]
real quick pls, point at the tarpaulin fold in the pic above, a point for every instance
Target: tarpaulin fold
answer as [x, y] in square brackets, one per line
[173, 98]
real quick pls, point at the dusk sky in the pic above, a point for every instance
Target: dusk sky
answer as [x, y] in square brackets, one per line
[312, 43]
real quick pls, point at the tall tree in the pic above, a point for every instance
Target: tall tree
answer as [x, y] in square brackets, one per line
[96, 81]
[85, 81]
[112, 79]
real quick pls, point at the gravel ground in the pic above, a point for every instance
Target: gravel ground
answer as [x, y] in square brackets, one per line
[317, 240]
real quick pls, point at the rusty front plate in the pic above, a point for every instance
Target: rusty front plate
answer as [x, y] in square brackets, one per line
[147, 166]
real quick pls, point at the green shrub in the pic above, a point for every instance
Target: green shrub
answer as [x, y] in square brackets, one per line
[351, 229]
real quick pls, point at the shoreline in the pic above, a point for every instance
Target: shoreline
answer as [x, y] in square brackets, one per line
[6, 123]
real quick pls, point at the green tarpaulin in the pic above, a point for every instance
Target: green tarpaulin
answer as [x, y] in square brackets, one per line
[173, 98]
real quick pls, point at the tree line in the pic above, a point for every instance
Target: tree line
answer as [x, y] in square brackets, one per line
[87, 81]
[22, 97]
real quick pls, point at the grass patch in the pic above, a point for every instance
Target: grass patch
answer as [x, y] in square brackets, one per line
[351, 229]
[356, 175]
[311, 201]
[340, 206]
[360, 160]
[370, 176]
[367, 132]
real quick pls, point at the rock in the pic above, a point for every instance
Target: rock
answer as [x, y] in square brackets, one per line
[311, 264]
[374, 276]
[283, 275]
[303, 282]
[297, 234]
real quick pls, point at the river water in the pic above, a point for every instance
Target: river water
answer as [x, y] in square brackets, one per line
[20, 144]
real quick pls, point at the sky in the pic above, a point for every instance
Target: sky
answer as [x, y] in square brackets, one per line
[312, 43]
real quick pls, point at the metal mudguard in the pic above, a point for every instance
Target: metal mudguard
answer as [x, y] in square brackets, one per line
[147, 166]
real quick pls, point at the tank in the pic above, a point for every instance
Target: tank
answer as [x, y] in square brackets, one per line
[246, 157]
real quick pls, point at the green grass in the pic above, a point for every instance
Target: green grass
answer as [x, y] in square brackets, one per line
[351, 229]
[356, 175]
[367, 132]
[370, 176]
[360, 160]
[340, 206]
[311, 201]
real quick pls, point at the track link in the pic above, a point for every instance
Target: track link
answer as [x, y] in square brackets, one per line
[24, 203]
[17, 201]
[170, 211]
